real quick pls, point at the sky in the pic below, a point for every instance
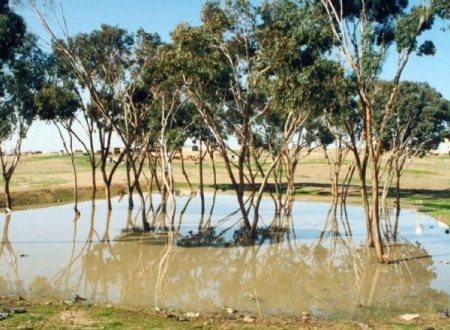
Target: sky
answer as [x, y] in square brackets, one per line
[161, 16]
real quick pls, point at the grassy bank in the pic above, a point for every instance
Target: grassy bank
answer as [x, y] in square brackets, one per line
[433, 203]
[46, 314]
[47, 179]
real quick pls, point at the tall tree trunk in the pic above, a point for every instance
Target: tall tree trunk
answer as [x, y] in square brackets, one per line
[94, 183]
[238, 192]
[183, 170]
[346, 183]
[145, 224]
[108, 195]
[374, 161]
[213, 165]
[290, 190]
[397, 191]
[8, 200]
[129, 186]
[75, 183]
[163, 202]
[200, 172]
[69, 149]
[361, 165]
[367, 214]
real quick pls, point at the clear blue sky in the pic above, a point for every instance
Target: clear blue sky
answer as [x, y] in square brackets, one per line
[162, 16]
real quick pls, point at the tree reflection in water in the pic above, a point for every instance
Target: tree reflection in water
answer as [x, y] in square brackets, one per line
[210, 265]
[9, 283]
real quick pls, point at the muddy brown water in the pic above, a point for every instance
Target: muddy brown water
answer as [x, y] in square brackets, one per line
[316, 264]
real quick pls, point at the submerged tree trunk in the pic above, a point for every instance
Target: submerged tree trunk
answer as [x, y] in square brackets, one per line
[200, 173]
[361, 166]
[108, 196]
[365, 200]
[69, 149]
[183, 170]
[94, 183]
[88, 147]
[9, 167]
[8, 200]
[397, 191]
[130, 188]
[374, 169]
[145, 224]
[75, 183]
[346, 183]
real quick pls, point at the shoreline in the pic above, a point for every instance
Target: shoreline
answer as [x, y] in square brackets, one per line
[47, 313]
[39, 198]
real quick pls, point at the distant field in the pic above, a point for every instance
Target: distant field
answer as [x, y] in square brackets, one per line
[425, 184]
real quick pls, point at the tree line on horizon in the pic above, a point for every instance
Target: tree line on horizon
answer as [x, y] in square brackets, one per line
[282, 77]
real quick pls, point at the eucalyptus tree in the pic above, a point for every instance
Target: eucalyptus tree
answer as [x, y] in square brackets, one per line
[104, 55]
[336, 128]
[100, 61]
[108, 63]
[219, 60]
[21, 77]
[294, 49]
[169, 117]
[87, 118]
[125, 59]
[206, 77]
[232, 66]
[12, 32]
[87, 61]
[59, 104]
[345, 117]
[138, 102]
[419, 119]
[363, 32]
[137, 99]
[199, 133]
[334, 156]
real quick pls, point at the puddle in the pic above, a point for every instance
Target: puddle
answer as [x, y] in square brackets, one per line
[310, 264]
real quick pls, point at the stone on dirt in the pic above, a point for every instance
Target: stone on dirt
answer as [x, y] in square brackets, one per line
[192, 315]
[249, 319]
[228, 310]
[409, 317]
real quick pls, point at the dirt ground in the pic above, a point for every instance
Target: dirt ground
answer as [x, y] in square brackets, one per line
[48, 314]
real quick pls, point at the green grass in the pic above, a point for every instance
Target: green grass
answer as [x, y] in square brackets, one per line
[437, 209]
[420, 172]
[434, 203]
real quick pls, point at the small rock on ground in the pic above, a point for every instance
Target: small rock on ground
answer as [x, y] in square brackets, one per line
[249, 319]
[409, 317]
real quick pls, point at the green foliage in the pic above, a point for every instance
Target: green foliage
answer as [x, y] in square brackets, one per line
[381, 15]
[292, 43]
[21, 77]
[420, 113]
[202, 66]
[56, 103]
[12, 31]
[117, 69]
[104, 53]
[410, 26]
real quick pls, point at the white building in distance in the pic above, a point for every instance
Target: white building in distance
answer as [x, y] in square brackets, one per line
[443, 148]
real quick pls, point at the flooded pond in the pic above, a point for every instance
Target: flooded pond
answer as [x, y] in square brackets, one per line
[313, 265]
